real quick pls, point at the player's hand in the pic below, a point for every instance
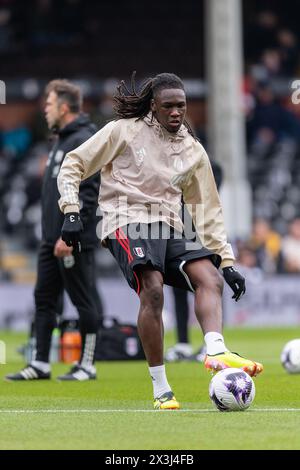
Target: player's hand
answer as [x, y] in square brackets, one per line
[61, 249]
[236, 281]
[71, 230]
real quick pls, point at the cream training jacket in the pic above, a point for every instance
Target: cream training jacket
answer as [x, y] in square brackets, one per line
[145, 170]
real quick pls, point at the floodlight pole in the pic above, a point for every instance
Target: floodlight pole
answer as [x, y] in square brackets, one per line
[226, 126]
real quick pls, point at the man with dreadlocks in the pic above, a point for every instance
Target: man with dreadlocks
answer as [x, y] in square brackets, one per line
[149, 159]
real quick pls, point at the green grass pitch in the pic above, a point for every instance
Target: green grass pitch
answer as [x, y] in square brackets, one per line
[115, 412]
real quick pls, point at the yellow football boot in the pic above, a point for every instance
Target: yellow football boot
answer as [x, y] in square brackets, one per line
[167, 401]
[230, 359]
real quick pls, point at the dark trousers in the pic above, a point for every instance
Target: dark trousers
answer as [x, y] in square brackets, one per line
[182, 314]
[53, 276]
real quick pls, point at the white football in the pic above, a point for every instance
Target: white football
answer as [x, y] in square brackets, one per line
[232, 390]
[290, 356]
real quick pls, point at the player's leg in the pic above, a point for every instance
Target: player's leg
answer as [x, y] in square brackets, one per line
[182, 349]
[141, 258]
[208, 286]
[151, 332]
[150, 325]
[80, 284]
[191, 266]
[48, 288]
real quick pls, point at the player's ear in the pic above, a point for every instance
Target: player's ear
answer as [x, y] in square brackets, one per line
[64, 109]
[153, 106]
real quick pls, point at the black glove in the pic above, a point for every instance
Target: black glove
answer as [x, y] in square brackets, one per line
[71, 229]
[236, 281]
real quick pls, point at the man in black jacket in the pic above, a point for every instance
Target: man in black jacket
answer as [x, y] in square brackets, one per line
[60, 266]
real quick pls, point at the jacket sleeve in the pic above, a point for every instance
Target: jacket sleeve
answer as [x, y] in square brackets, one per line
[203, 203]
[86, 160]
[88, 191]
[88, 197]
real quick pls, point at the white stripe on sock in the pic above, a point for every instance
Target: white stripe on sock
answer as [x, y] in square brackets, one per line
[89, 350]
[29, 373]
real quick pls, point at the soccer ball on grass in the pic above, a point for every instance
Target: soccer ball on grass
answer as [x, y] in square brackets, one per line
[290, 356]
[232, 390]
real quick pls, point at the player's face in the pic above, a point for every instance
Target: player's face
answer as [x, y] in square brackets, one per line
[52, 110]
[169, 108]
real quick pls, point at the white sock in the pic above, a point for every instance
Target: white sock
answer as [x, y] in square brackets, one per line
[159, 380]
[43, 366]
[214, 343]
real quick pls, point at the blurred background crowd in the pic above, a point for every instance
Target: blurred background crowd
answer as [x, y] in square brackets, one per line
[40, 39]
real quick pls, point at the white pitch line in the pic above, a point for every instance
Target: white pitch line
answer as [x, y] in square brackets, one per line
[255, 410]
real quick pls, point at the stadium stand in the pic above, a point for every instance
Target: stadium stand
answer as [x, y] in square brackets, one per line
[43, 44]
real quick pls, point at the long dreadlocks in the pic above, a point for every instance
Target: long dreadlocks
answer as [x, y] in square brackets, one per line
[128, 103]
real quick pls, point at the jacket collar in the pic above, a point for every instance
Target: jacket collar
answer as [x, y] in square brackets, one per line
[81, 121]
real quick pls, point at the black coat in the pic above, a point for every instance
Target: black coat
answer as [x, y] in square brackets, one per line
[70, 137]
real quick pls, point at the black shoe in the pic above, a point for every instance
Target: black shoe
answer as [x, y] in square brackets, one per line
[28, 373]
[79, 373]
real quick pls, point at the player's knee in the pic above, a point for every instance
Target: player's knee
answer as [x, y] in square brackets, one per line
[215, 280]
[219, 281]
[153, 296]
[212, 280]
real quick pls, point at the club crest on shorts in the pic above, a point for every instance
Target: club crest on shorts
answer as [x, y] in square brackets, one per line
[139, 251]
